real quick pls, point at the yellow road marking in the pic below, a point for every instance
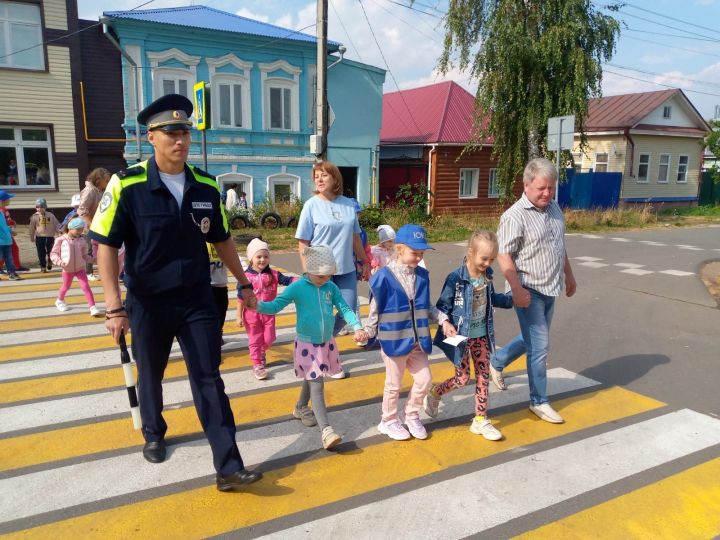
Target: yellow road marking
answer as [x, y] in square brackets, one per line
[45, 447]
[10, 305]
[69, 346]
[38, 287]
[685, 505]
[41, 323]
[203, 512]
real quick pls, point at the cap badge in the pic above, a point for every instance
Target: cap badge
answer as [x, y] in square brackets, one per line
[176, 114]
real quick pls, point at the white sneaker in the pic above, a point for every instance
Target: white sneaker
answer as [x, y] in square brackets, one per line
[497, 378]
[96, 311]
[329, 438]
[416, 428]
[482, 426]
[431, 403]
[345, 330]
[339, 375]
[61, 305]
[93, 277]
[545, 412]
[394, 429]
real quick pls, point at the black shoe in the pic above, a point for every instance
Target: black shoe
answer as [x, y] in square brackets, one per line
[49, 267]
[22, 269]
[235, 481]
[154, 451]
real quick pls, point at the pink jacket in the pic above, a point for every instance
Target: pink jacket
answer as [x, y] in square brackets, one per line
[265, 284]
[78, 253]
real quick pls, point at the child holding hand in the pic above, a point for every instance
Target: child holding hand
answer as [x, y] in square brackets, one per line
[400, 310]
[467, 299]
[260, 328]
[316, 353]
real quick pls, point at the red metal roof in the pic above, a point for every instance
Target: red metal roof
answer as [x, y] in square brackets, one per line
[624, 111]
[439, 113]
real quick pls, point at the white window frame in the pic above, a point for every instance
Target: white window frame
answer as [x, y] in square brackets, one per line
[667, 170]
[19, 145]
[640, 179]
[493, 189]
[283, 179]
[160, 73]
[224, 180]
[11, 60]
[577, 161]
[667, 112]
[606, 162]
[685, 166]
[293, 84]
[243, 79]
[474, 183]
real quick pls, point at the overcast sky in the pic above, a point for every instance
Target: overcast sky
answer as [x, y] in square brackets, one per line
[671, 42]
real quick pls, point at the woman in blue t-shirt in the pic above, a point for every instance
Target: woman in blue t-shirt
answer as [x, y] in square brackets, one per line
[329, 219]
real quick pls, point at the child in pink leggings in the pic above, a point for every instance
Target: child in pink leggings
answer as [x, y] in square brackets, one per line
[70, 253]
[260, 328]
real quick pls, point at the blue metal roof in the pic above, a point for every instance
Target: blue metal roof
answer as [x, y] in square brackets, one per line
[213, 19]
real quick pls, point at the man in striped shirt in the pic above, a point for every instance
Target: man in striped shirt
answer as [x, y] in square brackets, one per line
[532, 256]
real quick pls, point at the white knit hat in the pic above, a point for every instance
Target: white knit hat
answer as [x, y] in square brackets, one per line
[254, 246]
[385, 233]
[319, 260]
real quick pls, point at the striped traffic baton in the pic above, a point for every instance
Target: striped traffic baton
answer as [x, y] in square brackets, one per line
[130, 382]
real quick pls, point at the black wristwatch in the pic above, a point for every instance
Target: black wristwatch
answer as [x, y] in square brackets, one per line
[246, 286]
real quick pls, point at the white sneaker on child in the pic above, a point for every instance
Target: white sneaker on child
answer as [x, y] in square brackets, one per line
[416, 428]
[61, 305]
[96, 311]
[482, 426]
[93, 277]
[394, 429]
[330, 438]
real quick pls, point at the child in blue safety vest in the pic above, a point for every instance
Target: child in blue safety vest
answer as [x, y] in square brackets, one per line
[400, 313]
[468, 298]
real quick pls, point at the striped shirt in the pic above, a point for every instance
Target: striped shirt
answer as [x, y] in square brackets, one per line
[535, 239]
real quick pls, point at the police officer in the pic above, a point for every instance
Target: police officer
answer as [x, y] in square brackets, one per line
[165, 211]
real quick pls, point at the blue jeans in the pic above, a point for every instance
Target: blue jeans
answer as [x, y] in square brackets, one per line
[347, 283]
[534, 340]
[6, 253]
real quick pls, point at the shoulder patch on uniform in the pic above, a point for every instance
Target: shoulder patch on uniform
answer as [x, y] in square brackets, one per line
[130, 171]
[199, 171]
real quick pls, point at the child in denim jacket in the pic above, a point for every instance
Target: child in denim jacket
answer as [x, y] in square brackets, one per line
[468, 298]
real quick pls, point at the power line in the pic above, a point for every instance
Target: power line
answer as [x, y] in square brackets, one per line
[663, 34]
[388, 66]
[415, 9]
[659, 84]
[713, 30]
[665, 75]
[64, 36]
[672, 46]
[431, 38]
[670, 26]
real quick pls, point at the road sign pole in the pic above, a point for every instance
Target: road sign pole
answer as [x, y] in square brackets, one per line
[204, 149]
[557, 161]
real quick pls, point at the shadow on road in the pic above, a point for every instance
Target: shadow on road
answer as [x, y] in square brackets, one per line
[625, 369]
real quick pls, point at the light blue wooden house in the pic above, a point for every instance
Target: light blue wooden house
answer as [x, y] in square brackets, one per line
[262, 85]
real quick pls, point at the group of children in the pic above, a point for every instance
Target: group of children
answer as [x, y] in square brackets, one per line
[62, 245]
[399, 318]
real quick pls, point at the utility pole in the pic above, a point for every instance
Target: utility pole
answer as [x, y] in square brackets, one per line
[319, 147]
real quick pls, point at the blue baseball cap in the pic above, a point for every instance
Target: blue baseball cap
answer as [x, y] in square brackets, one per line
[4, 195]
[413, 236]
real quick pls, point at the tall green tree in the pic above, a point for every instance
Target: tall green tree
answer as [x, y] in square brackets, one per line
[532, 59]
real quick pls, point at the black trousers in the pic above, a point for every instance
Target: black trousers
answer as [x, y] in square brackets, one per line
[44, 245]
[190, 315]
[220, 296]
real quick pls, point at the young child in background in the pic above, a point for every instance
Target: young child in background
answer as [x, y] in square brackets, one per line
[74, 203]
[15, 265]
[383, 252]
[400, 310]
[43, 228]
[70, 253]
[316, 353]
[260, 328]
[6, 239]
[468, 298]
[219, 284]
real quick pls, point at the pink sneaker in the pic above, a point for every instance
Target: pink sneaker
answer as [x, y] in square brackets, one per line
[394, 429]
[416, 428]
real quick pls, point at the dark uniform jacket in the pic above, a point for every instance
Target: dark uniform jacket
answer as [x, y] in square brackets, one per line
[165, 245]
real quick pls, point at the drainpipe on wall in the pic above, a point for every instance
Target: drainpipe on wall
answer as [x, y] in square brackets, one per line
[632, 155]
[374, 179]
[129, 59]
[429, 177]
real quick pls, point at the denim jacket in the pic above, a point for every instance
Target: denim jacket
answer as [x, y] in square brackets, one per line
[456, 302]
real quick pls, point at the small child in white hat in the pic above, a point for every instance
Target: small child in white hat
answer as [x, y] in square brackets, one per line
[316, 352]
[384, 251]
